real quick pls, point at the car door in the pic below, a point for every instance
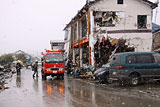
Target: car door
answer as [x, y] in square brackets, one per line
[145, 65]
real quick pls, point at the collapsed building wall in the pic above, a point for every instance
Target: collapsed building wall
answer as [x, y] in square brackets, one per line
[105, 48]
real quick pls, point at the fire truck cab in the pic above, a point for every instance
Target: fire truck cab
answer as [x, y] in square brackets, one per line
[53, 64]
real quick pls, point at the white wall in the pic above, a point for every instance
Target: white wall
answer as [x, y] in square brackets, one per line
[141, 42]
[131, 8]
[68, 41]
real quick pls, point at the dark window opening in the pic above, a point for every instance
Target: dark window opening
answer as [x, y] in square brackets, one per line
[106, 19]
[84, 27]
[142, 21]
[119, 1]
[74, 33]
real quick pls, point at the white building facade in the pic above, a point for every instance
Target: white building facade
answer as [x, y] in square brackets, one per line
[126, 19]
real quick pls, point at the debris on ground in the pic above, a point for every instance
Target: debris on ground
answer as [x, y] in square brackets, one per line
[5, 73]
[2, 80]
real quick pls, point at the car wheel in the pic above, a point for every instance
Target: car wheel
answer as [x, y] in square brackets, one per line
[62, 77]
[134, 79]
[109, 81]
[58, 76]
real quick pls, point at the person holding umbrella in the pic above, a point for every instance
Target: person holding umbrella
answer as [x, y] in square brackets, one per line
[19, 66]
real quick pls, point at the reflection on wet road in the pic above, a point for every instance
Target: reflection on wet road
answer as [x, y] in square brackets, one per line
[26, 91]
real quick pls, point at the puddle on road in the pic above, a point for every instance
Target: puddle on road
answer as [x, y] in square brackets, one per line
[53, 93]
[77, 93]
[84, 94]
[72, 93]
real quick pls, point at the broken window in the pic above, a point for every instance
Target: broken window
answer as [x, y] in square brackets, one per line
[142, 21]
[106, 19]
[85, 53]
[84, 27]
[119, 1]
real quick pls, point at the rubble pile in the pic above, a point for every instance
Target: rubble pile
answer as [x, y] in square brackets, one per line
[105, 49]
[2, 79]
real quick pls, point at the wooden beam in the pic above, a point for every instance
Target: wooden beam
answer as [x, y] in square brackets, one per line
[89, 32]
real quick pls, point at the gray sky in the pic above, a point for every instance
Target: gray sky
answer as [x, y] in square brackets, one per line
[29, 25]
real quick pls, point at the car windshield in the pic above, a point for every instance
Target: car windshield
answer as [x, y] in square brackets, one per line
[54, 58]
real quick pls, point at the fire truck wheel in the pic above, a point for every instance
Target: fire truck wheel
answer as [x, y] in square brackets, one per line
[43, 76]
[62, 76]
[58, 76]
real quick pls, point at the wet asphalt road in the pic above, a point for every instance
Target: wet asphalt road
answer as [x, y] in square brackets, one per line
[26, 91]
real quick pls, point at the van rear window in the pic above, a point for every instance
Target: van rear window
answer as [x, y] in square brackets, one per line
[146, 58]
[141, 58]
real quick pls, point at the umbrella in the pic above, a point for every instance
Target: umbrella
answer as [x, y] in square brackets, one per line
[20, 62]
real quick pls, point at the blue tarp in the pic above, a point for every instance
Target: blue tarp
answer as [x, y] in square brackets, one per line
[155, 27]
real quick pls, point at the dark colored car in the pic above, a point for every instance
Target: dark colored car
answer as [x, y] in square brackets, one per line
[133, 67]
[102, 73]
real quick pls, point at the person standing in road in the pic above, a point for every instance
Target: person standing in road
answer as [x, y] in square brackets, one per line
[35, 67]
[18, 68]
[69, 62]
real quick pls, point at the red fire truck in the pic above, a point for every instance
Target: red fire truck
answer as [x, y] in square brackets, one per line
[53, 64]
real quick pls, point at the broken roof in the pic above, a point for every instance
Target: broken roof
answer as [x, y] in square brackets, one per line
[153, 5]
[90, 2]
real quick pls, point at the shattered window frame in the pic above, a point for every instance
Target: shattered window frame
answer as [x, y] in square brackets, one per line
[119, 1]
[105, 18]
[142, 21]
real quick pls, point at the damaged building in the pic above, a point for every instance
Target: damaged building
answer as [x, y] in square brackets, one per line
[156, 37]
[103, 27]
